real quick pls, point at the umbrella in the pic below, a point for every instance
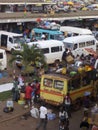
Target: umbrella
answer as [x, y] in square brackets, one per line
[38, 20]
[70, 3]
[65, 3]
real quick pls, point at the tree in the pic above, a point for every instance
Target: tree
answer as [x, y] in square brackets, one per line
[31, 58]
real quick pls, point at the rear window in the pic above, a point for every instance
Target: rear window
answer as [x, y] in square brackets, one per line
[48, 82]
[58, 84]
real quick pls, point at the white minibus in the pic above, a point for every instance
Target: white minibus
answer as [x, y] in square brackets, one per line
[74, 31]
[79, 44]
[52, 49]
[3, 59]
[11, 41]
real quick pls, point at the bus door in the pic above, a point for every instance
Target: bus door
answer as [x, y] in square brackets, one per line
[4, 40]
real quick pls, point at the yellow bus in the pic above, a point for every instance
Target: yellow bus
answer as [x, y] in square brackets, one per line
[54, 87]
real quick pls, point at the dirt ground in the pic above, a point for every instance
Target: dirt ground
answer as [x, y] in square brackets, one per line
[15, 120]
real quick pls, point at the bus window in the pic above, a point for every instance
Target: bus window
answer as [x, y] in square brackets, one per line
[45, 50]
[90, 43]
[68, 45]
[4, 40]
[1, 55]
[59, 37]
[86, 79]
[60, 48]
[82, 44]
[58, 84]
[48, 82]
[51, 36]
[75, 34]
[55, 49]
[74, 84]
[47, 36]
[38, 35]
[10, 39]
[75, 46]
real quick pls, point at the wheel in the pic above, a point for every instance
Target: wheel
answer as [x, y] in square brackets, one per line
[77, 104]
[12, 50]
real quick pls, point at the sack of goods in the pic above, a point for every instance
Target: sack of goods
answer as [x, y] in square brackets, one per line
[22, 96]
[64, 70]
[34, 112]
[73, 73]
[21, 102]
[9, 104]
[69, 59]
[51, 116]
[9, 107]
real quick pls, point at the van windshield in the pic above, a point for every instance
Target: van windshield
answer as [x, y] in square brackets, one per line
[68, 45]
[19, 39]
[59, 37]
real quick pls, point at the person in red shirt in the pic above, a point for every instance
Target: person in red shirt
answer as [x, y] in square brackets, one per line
[28, 91]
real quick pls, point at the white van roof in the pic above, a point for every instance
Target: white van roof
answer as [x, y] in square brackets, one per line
[10, 33]
[46, 43]
[78, 39]
[77, 30]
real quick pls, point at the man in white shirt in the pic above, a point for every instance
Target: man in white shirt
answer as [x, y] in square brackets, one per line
[43, 117]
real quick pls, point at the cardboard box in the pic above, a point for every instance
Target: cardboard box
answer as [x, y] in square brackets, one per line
[69, 59]
[22, 96]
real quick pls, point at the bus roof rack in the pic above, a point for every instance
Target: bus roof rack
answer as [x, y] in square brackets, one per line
[50, 27]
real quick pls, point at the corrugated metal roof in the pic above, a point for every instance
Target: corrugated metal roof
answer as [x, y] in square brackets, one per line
[5, 2]
[22, 17]
[13, 1]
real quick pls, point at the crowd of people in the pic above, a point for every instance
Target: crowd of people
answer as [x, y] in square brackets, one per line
[30, 90]
[32, 93]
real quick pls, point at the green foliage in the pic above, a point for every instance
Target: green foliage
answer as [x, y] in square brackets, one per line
[5, 95]
[30, 57]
